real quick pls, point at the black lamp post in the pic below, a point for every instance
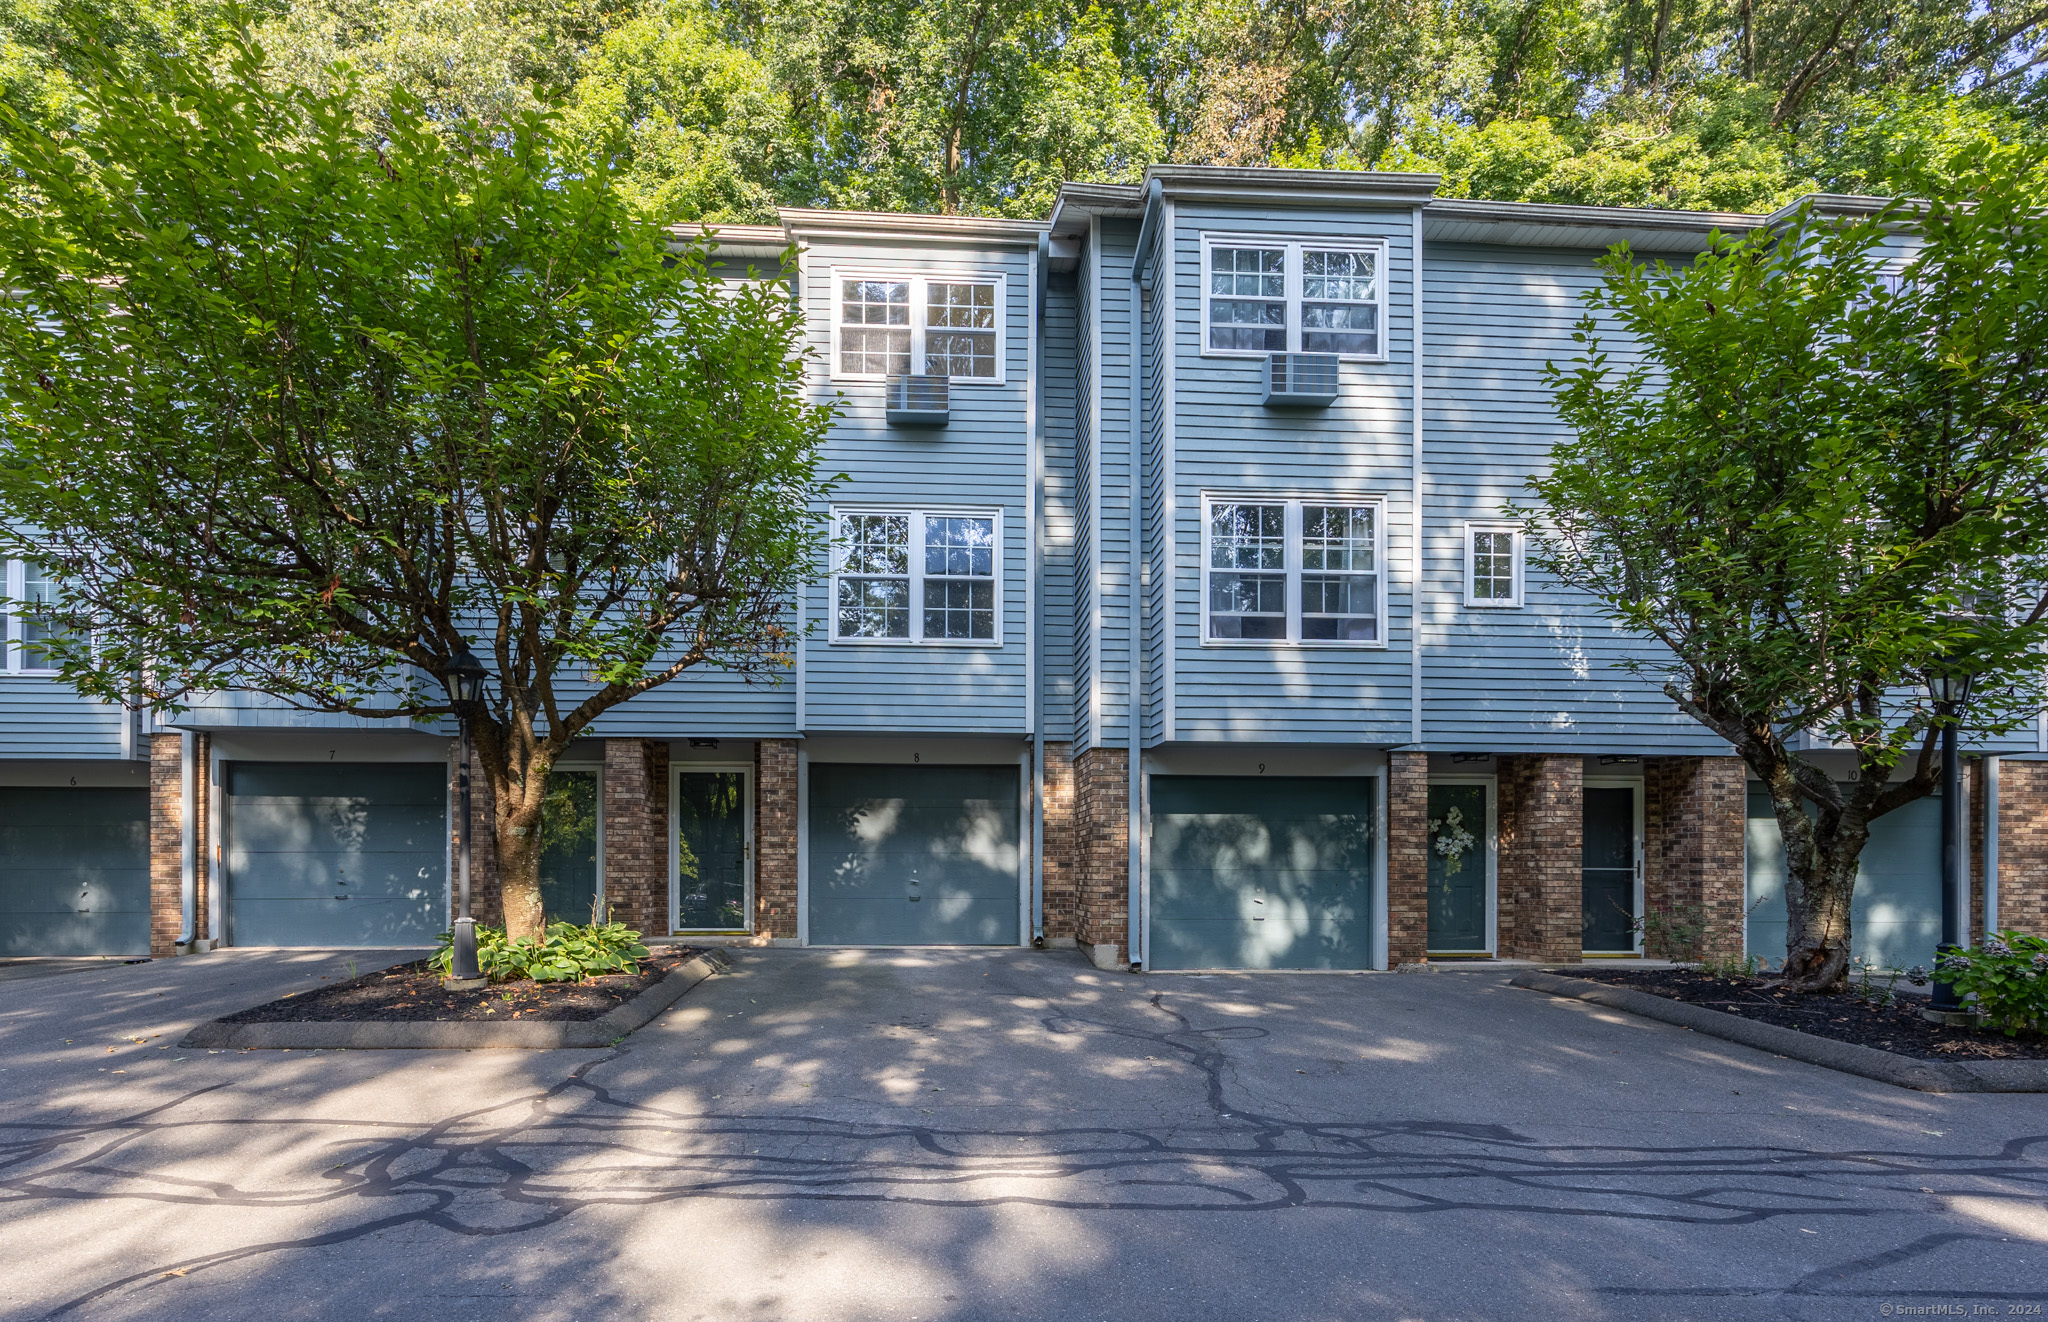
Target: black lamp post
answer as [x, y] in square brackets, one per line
[465, 680]
[1950, 691]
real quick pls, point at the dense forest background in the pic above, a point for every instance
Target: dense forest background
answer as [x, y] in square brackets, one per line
[723, 109]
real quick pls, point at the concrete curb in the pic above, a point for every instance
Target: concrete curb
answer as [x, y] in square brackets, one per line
[540, 1035]
[1884, 1066]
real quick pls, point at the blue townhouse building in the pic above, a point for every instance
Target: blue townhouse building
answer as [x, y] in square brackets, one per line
[1175, 611]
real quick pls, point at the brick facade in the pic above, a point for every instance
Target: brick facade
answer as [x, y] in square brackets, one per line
[2022, 847]
[1694, 820]
[166, 842]
[1059, 865]
[1407, 857]
[775, 835]
[635, 833]
[1542, 825]
[1102, 854]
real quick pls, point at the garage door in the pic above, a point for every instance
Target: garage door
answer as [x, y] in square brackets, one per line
[1895, 914]
[336, 853]
[913, 855]
[74, 872]
[1261, 872]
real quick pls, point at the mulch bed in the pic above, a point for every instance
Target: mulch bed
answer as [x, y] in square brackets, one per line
[412, 992]
[1844, 1017]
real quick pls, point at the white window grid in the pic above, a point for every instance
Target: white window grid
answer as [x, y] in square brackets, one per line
[956, 311]
[1295, 285]
[24, 583]
[1294, 568]
[1486, 546]
[848, 567]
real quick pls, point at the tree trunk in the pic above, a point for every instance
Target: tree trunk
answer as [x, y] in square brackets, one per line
[1817, 918]
[517, 766]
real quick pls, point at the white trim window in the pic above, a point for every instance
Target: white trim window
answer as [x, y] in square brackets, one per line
[928, 325]
[28, 584]
[917, 576]
[1493, 565]
[1302, 571]
[1262, 296]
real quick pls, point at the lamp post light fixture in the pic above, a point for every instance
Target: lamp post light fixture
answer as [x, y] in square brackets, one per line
[465, 679]
[1950, 690]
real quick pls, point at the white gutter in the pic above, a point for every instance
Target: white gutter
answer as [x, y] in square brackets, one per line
[188, 825]
[1990, 845]
[1135, 937]
[1041, 263]
[1415, 498]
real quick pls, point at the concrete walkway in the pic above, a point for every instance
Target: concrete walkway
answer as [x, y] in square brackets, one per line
[830, 1135]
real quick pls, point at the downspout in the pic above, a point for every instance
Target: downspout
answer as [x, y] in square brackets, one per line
[1990, 765]
[1415, 497]
[188, 825]
[1136, 919]
[1044, 265]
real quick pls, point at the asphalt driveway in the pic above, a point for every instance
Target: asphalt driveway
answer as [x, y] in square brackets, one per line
[827, 1135]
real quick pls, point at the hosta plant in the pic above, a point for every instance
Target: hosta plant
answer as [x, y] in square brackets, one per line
[2007, 977]
[565, 952]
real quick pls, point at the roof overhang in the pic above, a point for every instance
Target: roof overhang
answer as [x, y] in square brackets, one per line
[735, 240]
[1547, 225]
[977, 231]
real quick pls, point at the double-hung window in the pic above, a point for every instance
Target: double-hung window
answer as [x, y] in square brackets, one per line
[1281, 570]
[1493, 564]
[30, 628]
[916, 576]
[1265, 296]
[950, 326]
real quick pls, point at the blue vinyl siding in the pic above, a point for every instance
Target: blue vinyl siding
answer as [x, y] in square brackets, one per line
[1226, 441]
[1058, 511]
[1102, 685]
[43, 718]
[1081, 371]
[1546, 675]
[980, 460]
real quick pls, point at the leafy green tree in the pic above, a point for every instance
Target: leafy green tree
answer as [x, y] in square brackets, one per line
[1813, 481]
[296, 411]
[699, 127]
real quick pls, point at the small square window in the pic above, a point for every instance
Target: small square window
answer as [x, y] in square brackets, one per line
[1493, 566]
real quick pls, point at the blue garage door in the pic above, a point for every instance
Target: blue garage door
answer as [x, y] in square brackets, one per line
[337, 853]
[74, 872]
[1261, 872]
[912, 856]
[1895, 914]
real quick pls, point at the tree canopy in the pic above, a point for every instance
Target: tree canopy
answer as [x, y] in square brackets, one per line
[293, 410]
[1809, 463]
[722, 109]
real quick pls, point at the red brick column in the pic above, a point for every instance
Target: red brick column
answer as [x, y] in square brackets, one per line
[2022, 847]
[1694, 818]
[166, 843]
[1542, 827]
[1102, 855]
[1407, 857]
[775, 834]
[1061, 874]
[635, 834]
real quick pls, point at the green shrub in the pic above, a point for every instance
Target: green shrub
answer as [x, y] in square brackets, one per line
[2007, 976]
[566, 952]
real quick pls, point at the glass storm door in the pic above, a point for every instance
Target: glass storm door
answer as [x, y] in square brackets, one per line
[568, 846]
[1457, 867]
[1609, 870]
[711, 851]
